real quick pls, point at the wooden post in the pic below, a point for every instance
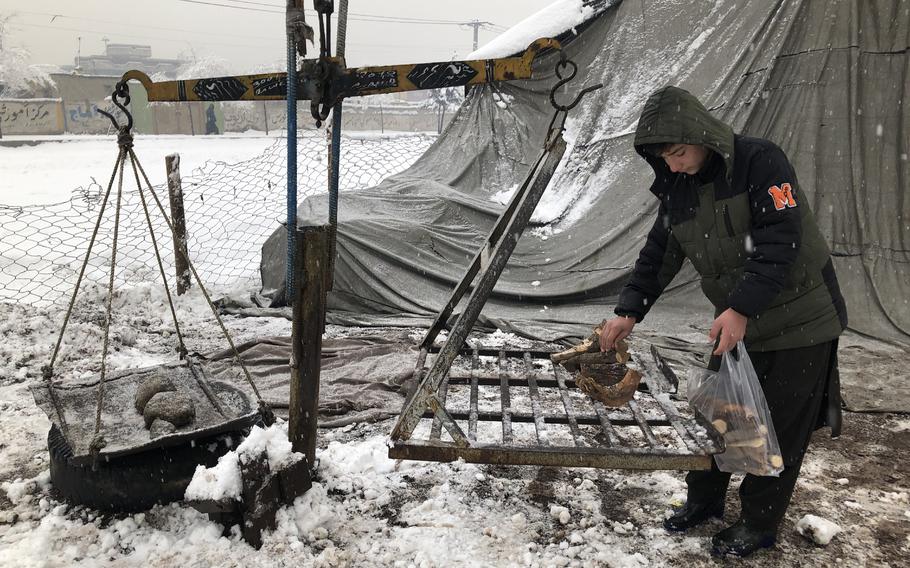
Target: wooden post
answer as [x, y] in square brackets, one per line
[311, 267]
[178, 218]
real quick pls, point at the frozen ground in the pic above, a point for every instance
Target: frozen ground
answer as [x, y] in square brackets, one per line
[367, 510]
[31, 173]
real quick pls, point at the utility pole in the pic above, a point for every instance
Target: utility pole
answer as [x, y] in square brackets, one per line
[477, 24]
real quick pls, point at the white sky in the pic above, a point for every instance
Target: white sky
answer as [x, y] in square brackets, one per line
[250, 38]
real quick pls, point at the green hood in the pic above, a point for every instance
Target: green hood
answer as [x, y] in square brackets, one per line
[674, 115]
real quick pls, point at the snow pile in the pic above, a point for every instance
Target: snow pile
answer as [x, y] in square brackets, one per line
[817, 529]
[500, 338]
[549, 22]
[20, 490]
[223, 480]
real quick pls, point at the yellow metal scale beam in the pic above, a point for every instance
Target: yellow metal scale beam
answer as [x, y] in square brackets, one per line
[354, 82]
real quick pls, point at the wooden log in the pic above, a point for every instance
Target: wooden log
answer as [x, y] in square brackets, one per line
[310, 266]
[590, 347]
[622, 352]
[260, 499]
[178, 220]
[614, 395]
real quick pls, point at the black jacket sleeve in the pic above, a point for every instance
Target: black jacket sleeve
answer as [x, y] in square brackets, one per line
[659, 261]
[776, 231]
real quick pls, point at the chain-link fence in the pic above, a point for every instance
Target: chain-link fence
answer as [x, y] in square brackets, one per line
[231, 209]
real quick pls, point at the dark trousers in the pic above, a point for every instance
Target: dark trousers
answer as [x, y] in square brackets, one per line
[795, 383]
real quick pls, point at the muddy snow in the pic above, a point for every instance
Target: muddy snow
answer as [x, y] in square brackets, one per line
[367, 510]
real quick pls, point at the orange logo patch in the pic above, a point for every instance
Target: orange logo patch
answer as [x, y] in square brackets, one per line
[782, 196]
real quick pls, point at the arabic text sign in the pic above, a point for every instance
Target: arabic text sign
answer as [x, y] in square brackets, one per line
[26, 116]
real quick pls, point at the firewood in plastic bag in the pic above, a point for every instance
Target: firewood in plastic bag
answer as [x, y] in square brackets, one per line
[732, 400]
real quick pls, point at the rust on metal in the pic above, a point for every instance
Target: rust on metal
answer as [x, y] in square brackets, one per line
[545, 420]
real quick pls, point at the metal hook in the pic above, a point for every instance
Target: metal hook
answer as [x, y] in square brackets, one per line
[563, 63]
[122, 90]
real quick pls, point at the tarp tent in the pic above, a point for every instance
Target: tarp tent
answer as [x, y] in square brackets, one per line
[827, 81]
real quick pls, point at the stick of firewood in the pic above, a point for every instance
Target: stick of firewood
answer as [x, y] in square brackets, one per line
[614, 395]
[589, 345]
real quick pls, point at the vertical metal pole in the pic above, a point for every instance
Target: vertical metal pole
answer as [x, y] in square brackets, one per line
[178, 219]
[311, 262]
[335, 150]
[291, 151]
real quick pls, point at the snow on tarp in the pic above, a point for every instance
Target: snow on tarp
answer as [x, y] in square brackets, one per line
[824, 80]
[548, 22]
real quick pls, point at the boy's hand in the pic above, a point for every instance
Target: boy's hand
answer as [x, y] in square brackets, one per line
[730, 326]
[617, 328]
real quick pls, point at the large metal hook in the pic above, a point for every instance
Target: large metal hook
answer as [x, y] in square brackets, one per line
[565, 62]
[122, 90]
[562, 111]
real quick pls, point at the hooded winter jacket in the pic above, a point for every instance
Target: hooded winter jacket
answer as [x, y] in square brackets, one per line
[743, 224]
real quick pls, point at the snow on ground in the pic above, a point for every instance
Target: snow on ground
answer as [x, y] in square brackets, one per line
[819, 530]
[31, 173]
[367, 510]
[223, 481]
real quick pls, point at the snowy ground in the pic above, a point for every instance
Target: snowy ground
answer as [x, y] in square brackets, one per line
[31, 172]
[367, 510]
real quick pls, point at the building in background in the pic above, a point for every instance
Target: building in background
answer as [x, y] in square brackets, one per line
[119, 58]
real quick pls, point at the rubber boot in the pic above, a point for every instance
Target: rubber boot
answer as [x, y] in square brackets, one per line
[741, 539]
[693, 514]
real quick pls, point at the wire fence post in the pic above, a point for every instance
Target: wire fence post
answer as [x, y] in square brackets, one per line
[178, 218]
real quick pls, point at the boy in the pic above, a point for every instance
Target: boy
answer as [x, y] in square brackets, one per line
[731, 205]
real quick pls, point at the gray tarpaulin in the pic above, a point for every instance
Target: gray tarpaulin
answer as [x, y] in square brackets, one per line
[827, 81]
[362, 378]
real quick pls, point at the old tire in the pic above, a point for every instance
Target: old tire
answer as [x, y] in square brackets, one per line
[135, 482]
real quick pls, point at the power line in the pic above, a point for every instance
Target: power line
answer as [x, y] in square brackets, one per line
[231, 6]
[234, 44]
[351, 15]
[121, 34]
[132, 25]
[401, 19]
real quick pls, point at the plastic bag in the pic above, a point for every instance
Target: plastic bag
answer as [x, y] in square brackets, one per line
[733, 401]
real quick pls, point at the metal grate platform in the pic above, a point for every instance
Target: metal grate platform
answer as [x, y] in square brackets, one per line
[518, 408]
